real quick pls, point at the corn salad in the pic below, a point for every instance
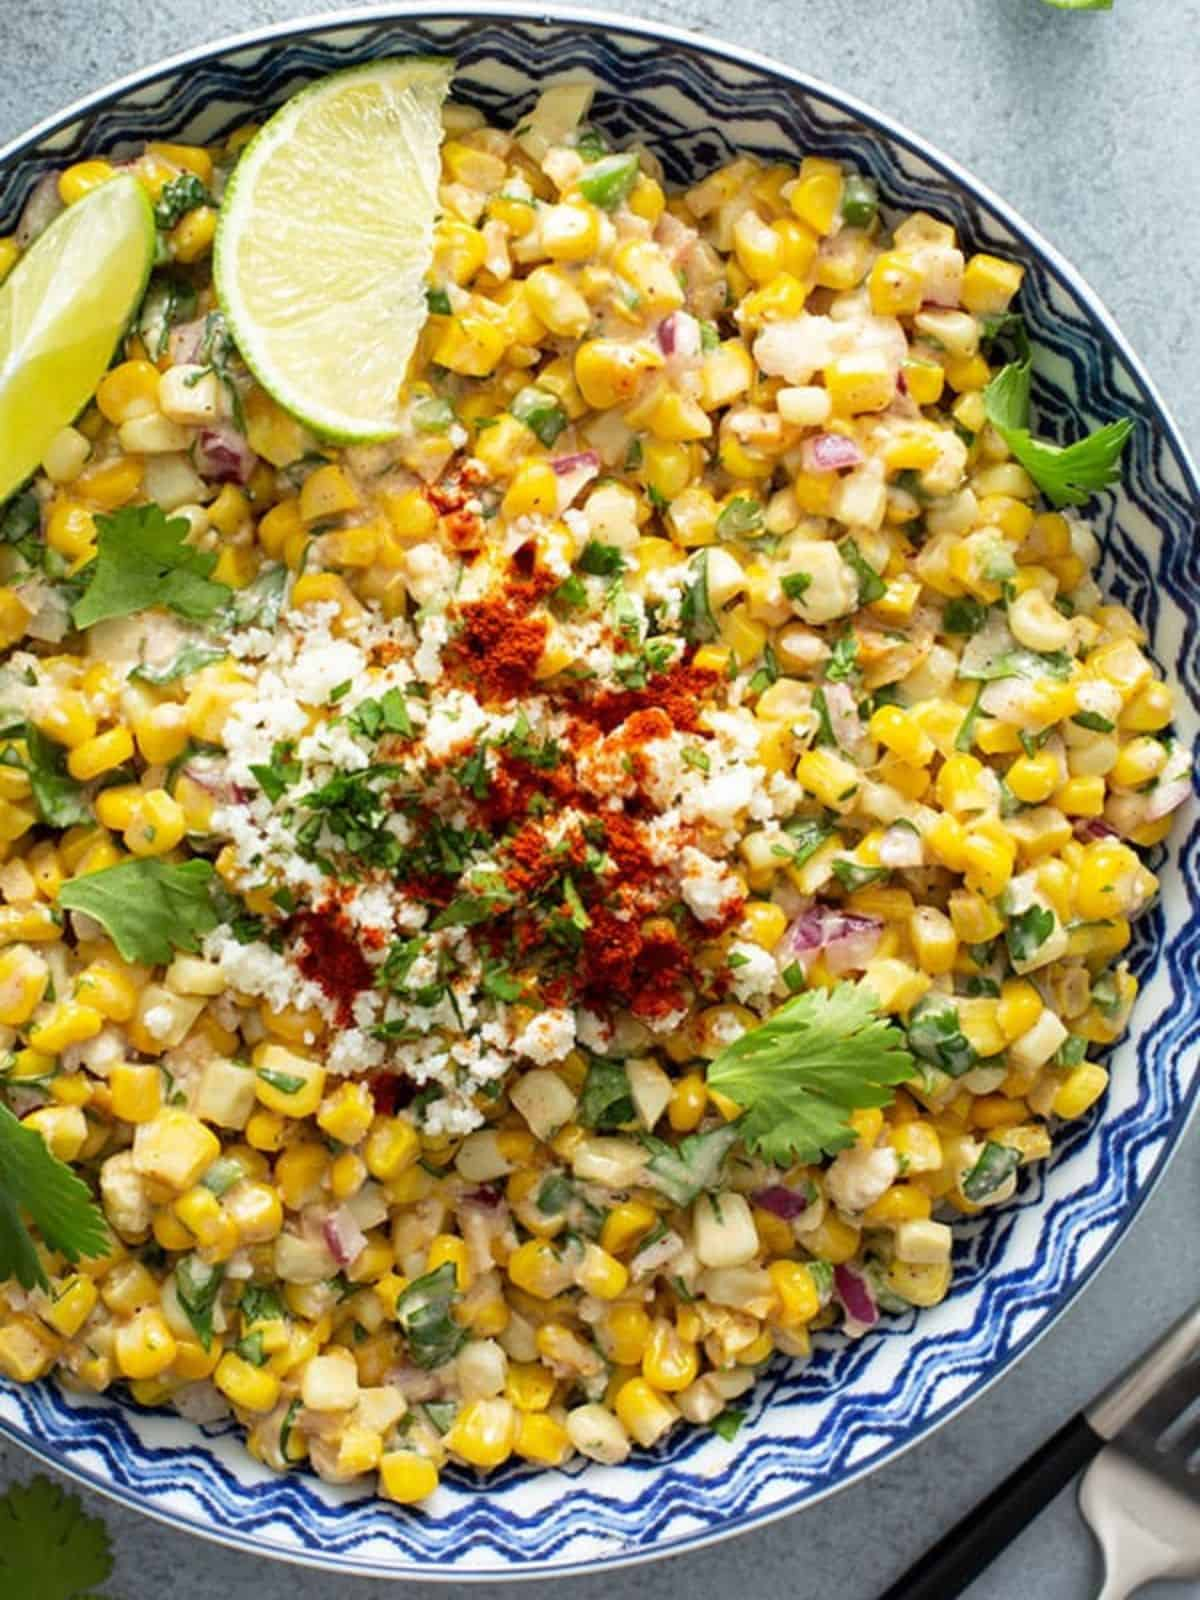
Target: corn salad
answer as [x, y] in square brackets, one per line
[696, 644]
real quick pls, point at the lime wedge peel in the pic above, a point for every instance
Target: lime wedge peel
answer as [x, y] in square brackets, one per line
[63, 310]
[325, 240]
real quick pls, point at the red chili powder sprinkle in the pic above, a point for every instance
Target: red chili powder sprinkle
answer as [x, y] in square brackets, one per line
[498, 648]
[328, 956]
[643, 967]
[680, 693]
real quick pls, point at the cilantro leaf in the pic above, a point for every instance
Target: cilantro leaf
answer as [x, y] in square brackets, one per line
[188, 658]
[56, 794]
[695, 612]
[1081, 5]
[1066, 476]
[423, 1312]
[197, 1284]
[727, 1424]
[49, 1547]
[871, 586]
[34, 1181]
[149, 908]
[144, 560]
[799, 1074]
[606, 1101]
[183, 194]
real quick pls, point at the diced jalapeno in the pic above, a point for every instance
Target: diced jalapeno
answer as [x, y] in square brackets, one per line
[608, 181]
[860, 202]
[541, 413]
[434, 415]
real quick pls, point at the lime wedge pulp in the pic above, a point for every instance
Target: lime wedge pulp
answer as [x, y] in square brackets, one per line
[325, 239]
[63, 308]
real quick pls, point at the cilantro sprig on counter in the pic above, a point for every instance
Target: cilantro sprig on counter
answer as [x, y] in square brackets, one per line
[800, 1074]
[50, 1548]
[1067, 476]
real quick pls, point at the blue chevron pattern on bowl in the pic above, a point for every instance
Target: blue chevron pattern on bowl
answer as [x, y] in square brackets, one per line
[811, 1429]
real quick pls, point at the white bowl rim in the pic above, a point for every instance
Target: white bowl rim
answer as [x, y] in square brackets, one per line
[591, 19]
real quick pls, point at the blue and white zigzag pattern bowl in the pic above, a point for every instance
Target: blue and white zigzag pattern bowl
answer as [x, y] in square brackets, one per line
[856, 1405]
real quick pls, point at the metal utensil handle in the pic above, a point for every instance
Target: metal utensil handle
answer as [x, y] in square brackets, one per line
[975, 1542]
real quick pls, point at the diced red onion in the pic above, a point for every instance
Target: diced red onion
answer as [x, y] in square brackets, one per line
[848, 940]
[679, 337]
[901, 847]
[343, 1236]
[186, 342]
[781, 1201]
[1164, 799]
[855, 1296]
[829, 452]
[43, 205]
[487, 1195]
[224, 456]
[574, 473]
[1092, 828]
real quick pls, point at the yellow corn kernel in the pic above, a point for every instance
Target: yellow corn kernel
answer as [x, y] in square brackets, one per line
[988, 857]
[1080, 1090]
[10, 254]
[327, 492]
[1019, 1007]
[895, 285]
[625, 1224]
[989, 284]
[286, 1082]
[898, 731]
[113, 484]
[832, 1240]
[966, 374]
[1034, 778]
[470, 345]
[346, 1114]
[484, 1432]
[924, 381]
[72, 1303]
[136, 1092]
[542, 1439]
[145, 1346]
[316, 588]
[974, 921]
[556, 302]
[459, 250]
[1081, 797]
[299, 1173]
[978, 1018]
[406, 1477]
[81, 179]
[69, 1022]
[903, 1202]
[860, 382]
[533, 491]
[831, 778]
[1138, 763]
[100, 754]
[447, 1247]
[1107, 876]
[688, 1103]
[67, 721]
[193, 1362]
[601, 1274]
[816, 195]
[764, 923]
[934, 941]
[920, 1283]
[725, 373]
[535, 1267]
[27, 1351]
[14, 615]
[609, 373]
[24, 977]
[157, 826]
[644, 266]
[796, 1288]
[117, 807]
[64, 1129]
[175, 1148]
[918, 1144]
[1149, 709]
[392, 1147]
[643, 1413]
[191, 239]
[127, 391]
[247, 1387]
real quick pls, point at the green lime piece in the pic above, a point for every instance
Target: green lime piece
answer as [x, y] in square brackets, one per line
[325, 240]
[63, 308]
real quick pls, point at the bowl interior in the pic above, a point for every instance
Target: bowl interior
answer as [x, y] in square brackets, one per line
[811, 1429]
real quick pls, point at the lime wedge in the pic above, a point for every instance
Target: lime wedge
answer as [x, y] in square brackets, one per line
[325, 239]
[63, 308]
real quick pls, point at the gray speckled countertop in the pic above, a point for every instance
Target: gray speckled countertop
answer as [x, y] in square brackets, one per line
[1089, 124]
